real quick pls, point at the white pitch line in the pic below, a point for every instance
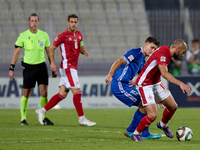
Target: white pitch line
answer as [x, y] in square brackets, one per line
[60, 141]
[60, 130]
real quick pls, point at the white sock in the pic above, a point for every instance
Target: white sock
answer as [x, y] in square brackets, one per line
[136, 132]
[163, 124]
[43, 110]
[81, 117]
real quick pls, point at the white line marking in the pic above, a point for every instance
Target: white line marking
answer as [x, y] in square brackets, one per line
[60, 130]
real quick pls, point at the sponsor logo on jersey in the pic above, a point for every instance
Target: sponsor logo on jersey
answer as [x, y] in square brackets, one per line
[162, 59]
[70, 39]
[130, 57]
[41, 43]
[80, 37]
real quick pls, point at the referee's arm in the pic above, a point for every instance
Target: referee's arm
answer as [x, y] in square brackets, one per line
[52, 60]
[13, 62]
[48, 53]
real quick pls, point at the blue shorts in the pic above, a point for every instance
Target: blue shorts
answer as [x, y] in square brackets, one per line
[127, 95]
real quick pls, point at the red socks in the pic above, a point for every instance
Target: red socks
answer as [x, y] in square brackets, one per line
[57, 98]
[53, 101]
[144, 123]
[78, 103]
[167, 115]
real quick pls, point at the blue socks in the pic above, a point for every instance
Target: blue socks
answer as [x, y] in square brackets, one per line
[145, 133]
[135, 122]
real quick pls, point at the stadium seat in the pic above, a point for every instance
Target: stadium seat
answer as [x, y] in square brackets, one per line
[97, 7]
[111, 7]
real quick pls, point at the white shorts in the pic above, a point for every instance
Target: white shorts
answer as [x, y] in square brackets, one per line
[69, 78]
[152, 94]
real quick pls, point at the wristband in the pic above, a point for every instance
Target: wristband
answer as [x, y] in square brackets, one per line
[12, 67]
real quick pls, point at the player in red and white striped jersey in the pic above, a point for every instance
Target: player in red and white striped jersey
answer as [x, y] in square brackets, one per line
[152, 90]
[71, 45]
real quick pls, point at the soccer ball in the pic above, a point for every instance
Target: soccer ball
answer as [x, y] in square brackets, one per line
[184, 134]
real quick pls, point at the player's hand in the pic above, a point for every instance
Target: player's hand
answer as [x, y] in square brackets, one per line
[54, 74]
[132, 83]
[185, 88]
[11, 74]
[86, 53]
[53, 69]
[108, 79]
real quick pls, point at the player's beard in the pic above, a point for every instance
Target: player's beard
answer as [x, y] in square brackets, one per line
[175, 56]
[73, 28]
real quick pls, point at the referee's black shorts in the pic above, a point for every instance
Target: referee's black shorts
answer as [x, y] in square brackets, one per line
[33, 73]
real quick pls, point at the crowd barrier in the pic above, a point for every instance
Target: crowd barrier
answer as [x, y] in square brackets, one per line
[187, 100]
[95, 93]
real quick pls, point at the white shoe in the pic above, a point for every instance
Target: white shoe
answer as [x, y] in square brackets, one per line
[40, 115]
[85, 122]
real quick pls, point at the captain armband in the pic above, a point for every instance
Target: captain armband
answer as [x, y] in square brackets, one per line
[81, 43]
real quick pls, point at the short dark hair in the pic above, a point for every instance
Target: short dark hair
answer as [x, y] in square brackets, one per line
[152, 40]
[195, 41]
[33, 14]
[72, 16]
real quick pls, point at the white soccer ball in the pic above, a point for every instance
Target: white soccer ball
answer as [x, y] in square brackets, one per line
[184, 134]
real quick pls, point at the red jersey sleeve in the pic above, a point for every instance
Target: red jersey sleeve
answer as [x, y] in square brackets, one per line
[59, 39]
[163, 57]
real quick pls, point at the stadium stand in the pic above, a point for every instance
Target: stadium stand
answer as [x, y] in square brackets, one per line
[109, 28]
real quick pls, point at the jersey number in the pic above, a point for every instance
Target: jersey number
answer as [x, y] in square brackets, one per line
[76, 44]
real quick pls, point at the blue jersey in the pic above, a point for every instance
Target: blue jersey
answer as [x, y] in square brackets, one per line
[134, 63]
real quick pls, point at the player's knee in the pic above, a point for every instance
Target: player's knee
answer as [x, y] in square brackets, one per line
[63, 94]
[43, 93]
[174, 107]
[153, 115]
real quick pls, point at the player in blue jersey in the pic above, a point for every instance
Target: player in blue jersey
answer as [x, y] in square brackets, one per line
[123, 87]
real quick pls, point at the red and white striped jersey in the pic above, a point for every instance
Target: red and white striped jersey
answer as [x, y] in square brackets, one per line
[150, 73]
[69, 43]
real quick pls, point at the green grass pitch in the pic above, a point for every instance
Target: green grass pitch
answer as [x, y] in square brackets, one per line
[66, 134]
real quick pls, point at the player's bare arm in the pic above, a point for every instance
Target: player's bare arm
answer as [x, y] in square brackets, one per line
[164, 72]
[52, 60]
[113, 68]
[84, 52]
[14, 60]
